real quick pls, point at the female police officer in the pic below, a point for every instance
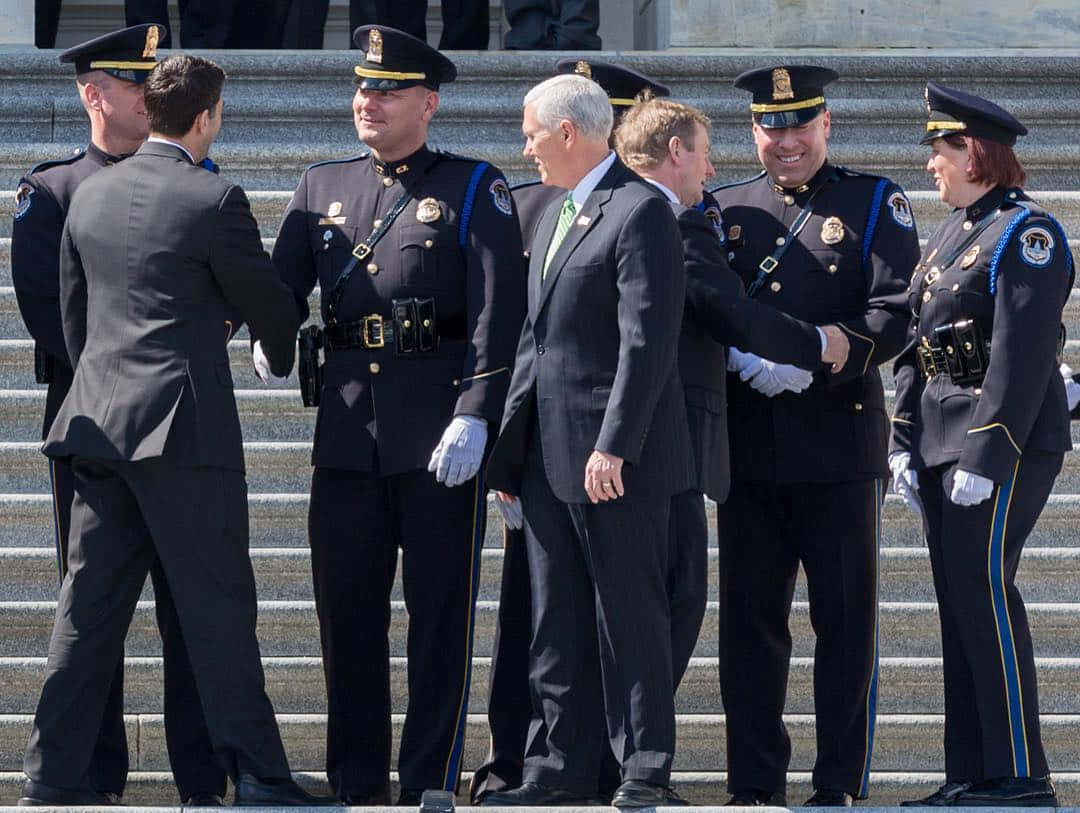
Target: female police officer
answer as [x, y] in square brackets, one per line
[979, 435]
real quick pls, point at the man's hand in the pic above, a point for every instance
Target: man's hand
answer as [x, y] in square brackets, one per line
[603, 477]
[837, 347]
[459, 452]
[510, 508]
[969, 488]
[262, 367]
[1072, 389]
[906, 481]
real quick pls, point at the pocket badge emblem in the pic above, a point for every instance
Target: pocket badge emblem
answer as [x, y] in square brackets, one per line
[427, 210]
[970, 257]
[832, 231]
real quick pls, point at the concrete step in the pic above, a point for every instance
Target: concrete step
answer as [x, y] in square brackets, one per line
[289, 628]
[284, 574]
[903, 742]
[295, 685]
[280, 466]
[280, 521]
[706, 789]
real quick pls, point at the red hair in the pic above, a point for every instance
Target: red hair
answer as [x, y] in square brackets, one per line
[990, 162]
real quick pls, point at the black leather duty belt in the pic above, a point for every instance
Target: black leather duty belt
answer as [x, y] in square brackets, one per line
[957, 350]
[412, 329]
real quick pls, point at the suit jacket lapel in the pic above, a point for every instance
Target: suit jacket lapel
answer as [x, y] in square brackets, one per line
[542, 239]
[585, 221]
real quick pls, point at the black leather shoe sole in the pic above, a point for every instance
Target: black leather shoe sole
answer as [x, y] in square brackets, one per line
[980, 800]
[36, 794]
[944, 796]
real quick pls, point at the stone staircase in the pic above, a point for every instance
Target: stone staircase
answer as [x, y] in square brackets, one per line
[285, 110]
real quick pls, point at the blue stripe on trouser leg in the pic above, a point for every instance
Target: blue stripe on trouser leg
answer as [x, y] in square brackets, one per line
[871, 693]
[995, 566]
[476, 543]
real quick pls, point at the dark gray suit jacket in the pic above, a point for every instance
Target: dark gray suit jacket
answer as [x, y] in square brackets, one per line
[597, 351]
[157, 254]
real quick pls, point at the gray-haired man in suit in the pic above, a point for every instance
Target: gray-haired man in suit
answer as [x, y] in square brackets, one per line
[156, 252]
[595, 442]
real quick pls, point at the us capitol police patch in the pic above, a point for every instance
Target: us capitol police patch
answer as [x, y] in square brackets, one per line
[900, 209]
[1036, 246]
[500, 196]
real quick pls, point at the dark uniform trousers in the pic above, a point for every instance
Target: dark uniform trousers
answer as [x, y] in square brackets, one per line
[561, 25]
[127, 513]
[992, 728]
[612, 551]
[357, 523]
[465, 22]
[765, 531]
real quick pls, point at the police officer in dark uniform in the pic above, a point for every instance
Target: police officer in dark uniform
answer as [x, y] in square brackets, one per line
[418, 256]
[823, 244]
[509, 705]
[979, 435]
[110, 71]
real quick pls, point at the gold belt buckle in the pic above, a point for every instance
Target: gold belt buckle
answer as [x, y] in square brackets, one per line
[361, 251]
[376, 321]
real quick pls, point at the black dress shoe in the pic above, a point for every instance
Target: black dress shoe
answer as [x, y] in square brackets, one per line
[752, 797]
[1009, 791]
[532, 794]
[35, 794]
[634, 793]
[378, 799]
[203, 800]
[409, 798]
[945, 796]
[253, 792]
[824, 797]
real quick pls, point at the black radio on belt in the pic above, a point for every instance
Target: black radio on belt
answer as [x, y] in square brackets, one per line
[957, 349]
[308, 344]
[44, 366]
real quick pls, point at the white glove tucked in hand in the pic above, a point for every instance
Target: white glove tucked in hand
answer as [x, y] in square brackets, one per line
[906, 481]
[460, 451]
[262, 367]
[767, 377]
[1072, 388]
[511, 511]
[969, 488]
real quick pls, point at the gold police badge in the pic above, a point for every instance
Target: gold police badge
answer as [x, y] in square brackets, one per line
[781, 85]
[374, 51]
[832, 231]
[427, 210]
[970, 257]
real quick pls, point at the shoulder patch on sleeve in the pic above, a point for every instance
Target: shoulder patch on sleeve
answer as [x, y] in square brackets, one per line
[716, 220]
[900, 209]
[24, 195]
[1036, 246]
[500, 196]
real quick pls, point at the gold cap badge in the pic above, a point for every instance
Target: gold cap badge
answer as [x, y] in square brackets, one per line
[150, 48]
[374, 51]
[582, 68]
[781, 85]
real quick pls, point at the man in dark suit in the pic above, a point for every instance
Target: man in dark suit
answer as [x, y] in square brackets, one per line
[594, 442]
[155, 253]
[110, 71]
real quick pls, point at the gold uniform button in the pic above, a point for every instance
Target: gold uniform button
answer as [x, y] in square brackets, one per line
[455, 382]
[376, 223]
[978, 390]
[833, 269]
[426, 323]
[788, 199]
[775, 287]
[780, 241]
[407, 323]
[967, 225]
[429, 243]
[927, 296]
[858, 407]
[374, 367]
[387, 182]
[956, 286]
[372, 269]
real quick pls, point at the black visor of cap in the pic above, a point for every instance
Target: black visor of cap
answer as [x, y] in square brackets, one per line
[957, 112]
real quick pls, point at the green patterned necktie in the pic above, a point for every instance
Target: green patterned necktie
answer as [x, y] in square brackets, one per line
[566, 219]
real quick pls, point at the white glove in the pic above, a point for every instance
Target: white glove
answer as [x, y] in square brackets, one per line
[768, 377]
[1072, 388]
[906, 481]
[740, 362]
[460, 451]
[511, 512]
[262, 367]
[791, 378]
[969, 488]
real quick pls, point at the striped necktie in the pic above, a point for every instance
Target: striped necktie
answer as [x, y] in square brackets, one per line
[566, 219]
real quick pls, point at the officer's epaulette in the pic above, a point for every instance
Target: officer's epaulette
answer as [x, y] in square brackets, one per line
[453, 156]
[56, 162]
[525, 185]
[854, 173]
[348, 160]
[743, 182]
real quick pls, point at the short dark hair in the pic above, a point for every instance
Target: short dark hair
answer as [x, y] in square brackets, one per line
[179, 89]
[991, 161]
